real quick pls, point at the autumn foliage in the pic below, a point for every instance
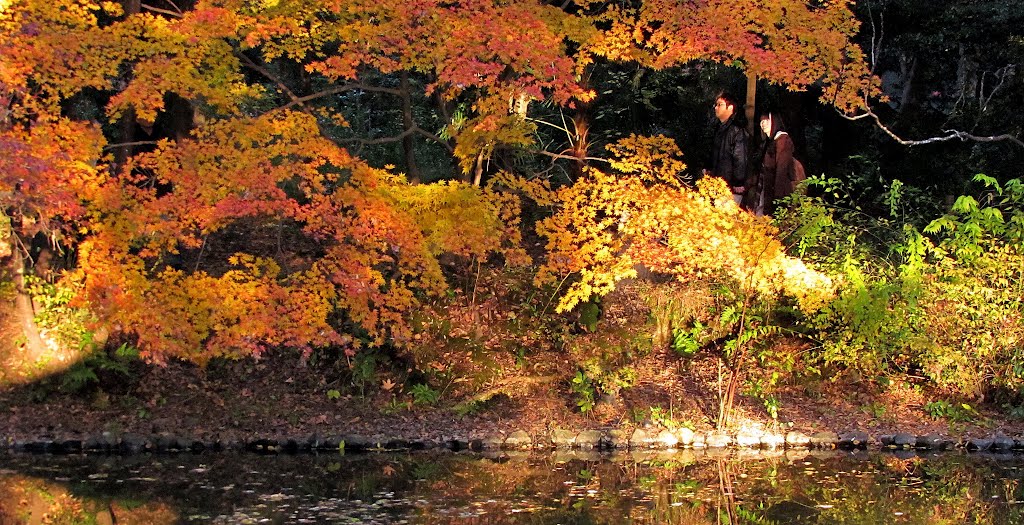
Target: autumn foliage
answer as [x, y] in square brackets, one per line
[362, 242]
[641, 215]
[242, 226]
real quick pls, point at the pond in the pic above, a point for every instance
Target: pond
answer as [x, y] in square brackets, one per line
[681, 487]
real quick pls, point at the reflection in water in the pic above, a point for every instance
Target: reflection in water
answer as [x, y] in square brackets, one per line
[427, 488]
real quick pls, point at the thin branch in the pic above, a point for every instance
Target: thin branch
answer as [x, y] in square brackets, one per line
[123, 144]
[424, 133]
[273, 78]
[396, 138]
[546, 123]
[175, 6]
[876, 43]
[567, 157]
[381, 140]
[1002, 74]
[351, 86]
[162, 11]
[949, 134]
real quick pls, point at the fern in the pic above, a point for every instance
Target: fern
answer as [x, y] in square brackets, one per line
[77, 378]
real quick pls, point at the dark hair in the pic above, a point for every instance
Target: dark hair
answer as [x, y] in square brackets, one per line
[777, 123]
[730, 99]
[739, 117]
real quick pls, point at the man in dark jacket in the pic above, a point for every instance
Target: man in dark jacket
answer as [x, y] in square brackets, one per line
[729, 152]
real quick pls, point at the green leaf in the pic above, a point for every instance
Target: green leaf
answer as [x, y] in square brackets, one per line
[965, 204]
[940, 224]
[989, 182]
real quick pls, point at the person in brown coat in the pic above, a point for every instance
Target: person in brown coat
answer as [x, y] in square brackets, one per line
[778, 178]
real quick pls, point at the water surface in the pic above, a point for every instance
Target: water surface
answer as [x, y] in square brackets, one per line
[570, 488]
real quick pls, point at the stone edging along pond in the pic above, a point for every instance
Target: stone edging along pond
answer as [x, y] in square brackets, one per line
[558, 439]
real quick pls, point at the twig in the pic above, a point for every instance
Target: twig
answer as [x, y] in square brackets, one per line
[199, 257]
[553, 294]
[476, 283]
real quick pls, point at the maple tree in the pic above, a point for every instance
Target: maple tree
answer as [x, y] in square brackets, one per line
[249, 228]
[790, 42]
[609, 223]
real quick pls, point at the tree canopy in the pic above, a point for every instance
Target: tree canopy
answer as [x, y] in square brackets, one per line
[192, 157]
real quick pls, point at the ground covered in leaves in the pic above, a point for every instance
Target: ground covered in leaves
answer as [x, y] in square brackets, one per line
[475, 371]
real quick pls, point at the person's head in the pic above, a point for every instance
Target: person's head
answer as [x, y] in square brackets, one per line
[771, 123]
[725, 106]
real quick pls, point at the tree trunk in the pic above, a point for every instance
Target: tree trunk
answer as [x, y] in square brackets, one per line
[408, 123]
[23, 307]
[580, 140]
[751, 103]
[478, 169]
[907, 72]
[127, 122]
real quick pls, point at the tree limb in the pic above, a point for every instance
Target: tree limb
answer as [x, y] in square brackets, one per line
[161, 11]
[350, 86]
[273, 78]
[567, 157]
[136, 143]
[949, 134]
[396, 138]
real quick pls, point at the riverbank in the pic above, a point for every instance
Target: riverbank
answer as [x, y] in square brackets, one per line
[488, 377]
[280, 404]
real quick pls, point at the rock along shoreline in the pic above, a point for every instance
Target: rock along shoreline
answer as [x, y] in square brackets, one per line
[609, 440]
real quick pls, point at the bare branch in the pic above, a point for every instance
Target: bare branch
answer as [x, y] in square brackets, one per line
[396, 138]
[273, 78]
[1002, 75]
[877, 35]
[381, 140]
[546, 123]
[175, 6]
[350, 86]
[949, 134]
[167, 12]
[124, 144]
[567, 157]
[424, 133]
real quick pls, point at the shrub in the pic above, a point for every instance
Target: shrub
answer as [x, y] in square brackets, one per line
[945, 303]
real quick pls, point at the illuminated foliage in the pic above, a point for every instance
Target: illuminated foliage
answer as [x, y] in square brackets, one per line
[47, 169]
[608, 224]
[497, 51]
[774, 40]
[250, 229]
[375, 239]
[944, 303]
